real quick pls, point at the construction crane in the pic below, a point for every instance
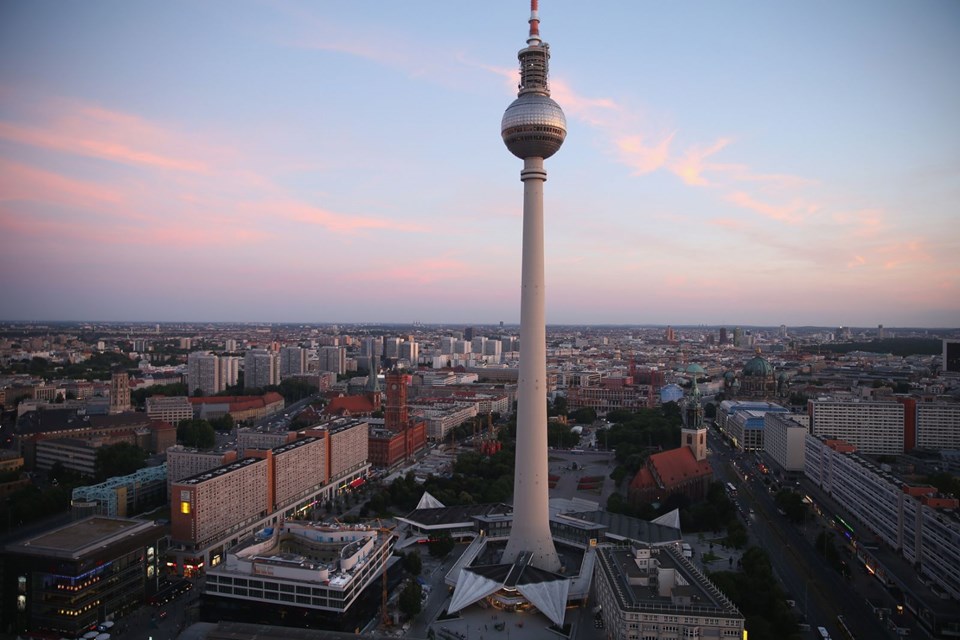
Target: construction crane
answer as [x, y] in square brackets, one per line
[384, 614]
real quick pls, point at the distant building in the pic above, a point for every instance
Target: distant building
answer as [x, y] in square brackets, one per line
[203, 373]
[743, 420]
[784, 440]
[333, 359]
[119, 393]
[260, 369]
[170, 409]
[951, 356]
[611, 394]
[122, 496]
[239, 407]
[293, 361]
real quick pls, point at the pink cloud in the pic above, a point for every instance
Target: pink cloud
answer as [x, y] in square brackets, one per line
[635, 152]
[690, 166]
[89, 134]
[19, 182]
[335, 222]
[792, 213]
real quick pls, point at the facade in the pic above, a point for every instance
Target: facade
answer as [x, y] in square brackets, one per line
[388, 447]
[170, 409]
[610, 395]
[203, 373]
[913, 520]
[649, 593]
[784, 440]
[122, 496]
[758, 379]
[746, 427]
[874, 427]
[293, 361]
[119, 393]
[261, 368]
[66, 580]
[938, 425]
[240, 407]
[303, 567]
[75, 454]
[334, 359]
[951, 356]
[183, 462]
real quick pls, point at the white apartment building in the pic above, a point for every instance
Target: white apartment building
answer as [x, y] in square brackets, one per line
[391, 347]
[229, 371]
[170, 409]
[938, 425]
[784, 440]
[203, 372]
[913, 520]
[874, 427]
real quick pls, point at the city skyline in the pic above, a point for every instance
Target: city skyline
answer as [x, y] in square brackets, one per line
[287, 162]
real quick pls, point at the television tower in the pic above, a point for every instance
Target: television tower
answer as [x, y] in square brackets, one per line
[533, 128]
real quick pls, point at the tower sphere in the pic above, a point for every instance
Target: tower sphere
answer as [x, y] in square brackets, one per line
[533, 126]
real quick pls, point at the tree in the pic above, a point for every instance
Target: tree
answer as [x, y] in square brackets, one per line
[119, 459]
[196, 433]
[586, 415]
[409, 601]
[441, 545]
[412, 563]
[223, 423]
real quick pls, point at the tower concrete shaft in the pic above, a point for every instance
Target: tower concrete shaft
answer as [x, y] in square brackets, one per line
[531, 513]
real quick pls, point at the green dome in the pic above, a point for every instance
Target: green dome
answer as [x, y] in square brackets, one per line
[695, 368]
[758, 367]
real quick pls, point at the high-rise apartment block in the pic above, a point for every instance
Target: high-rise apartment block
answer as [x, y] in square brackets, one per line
[391, 347]
[203, 373]
[260, 369]
[410, 351]
[784, 440]
[874, 427]
[333, 359]
[293, 361]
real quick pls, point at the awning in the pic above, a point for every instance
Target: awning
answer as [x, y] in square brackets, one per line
[356, 483]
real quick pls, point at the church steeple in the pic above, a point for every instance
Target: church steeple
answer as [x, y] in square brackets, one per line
[693, 433]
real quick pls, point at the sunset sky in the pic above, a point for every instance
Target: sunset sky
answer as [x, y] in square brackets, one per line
[726, 162]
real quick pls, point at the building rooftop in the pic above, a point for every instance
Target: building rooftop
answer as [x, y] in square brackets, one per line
[218, 471]
[81, 537]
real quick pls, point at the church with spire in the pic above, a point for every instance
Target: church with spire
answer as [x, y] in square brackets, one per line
[684, 470]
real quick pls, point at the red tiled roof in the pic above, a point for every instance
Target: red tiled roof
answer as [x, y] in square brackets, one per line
[643, 480]
[350, 405]
[677, 466]
[161, 425]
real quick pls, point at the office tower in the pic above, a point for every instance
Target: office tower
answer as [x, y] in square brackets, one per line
[203, 372]
[468, 333]
[119, 393]
[723, 335]
[293, 361]
[783, 331]
[333, 359]
[260, 369]
[670, 335]
[533, 128]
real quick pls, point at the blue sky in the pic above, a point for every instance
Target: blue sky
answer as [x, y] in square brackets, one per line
[739, 162]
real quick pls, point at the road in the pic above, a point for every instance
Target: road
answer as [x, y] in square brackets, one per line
[818, 590]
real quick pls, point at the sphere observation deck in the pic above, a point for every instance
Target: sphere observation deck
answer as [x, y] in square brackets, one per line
[533, 126]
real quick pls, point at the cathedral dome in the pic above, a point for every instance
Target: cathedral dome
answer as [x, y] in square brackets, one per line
[758, 367]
